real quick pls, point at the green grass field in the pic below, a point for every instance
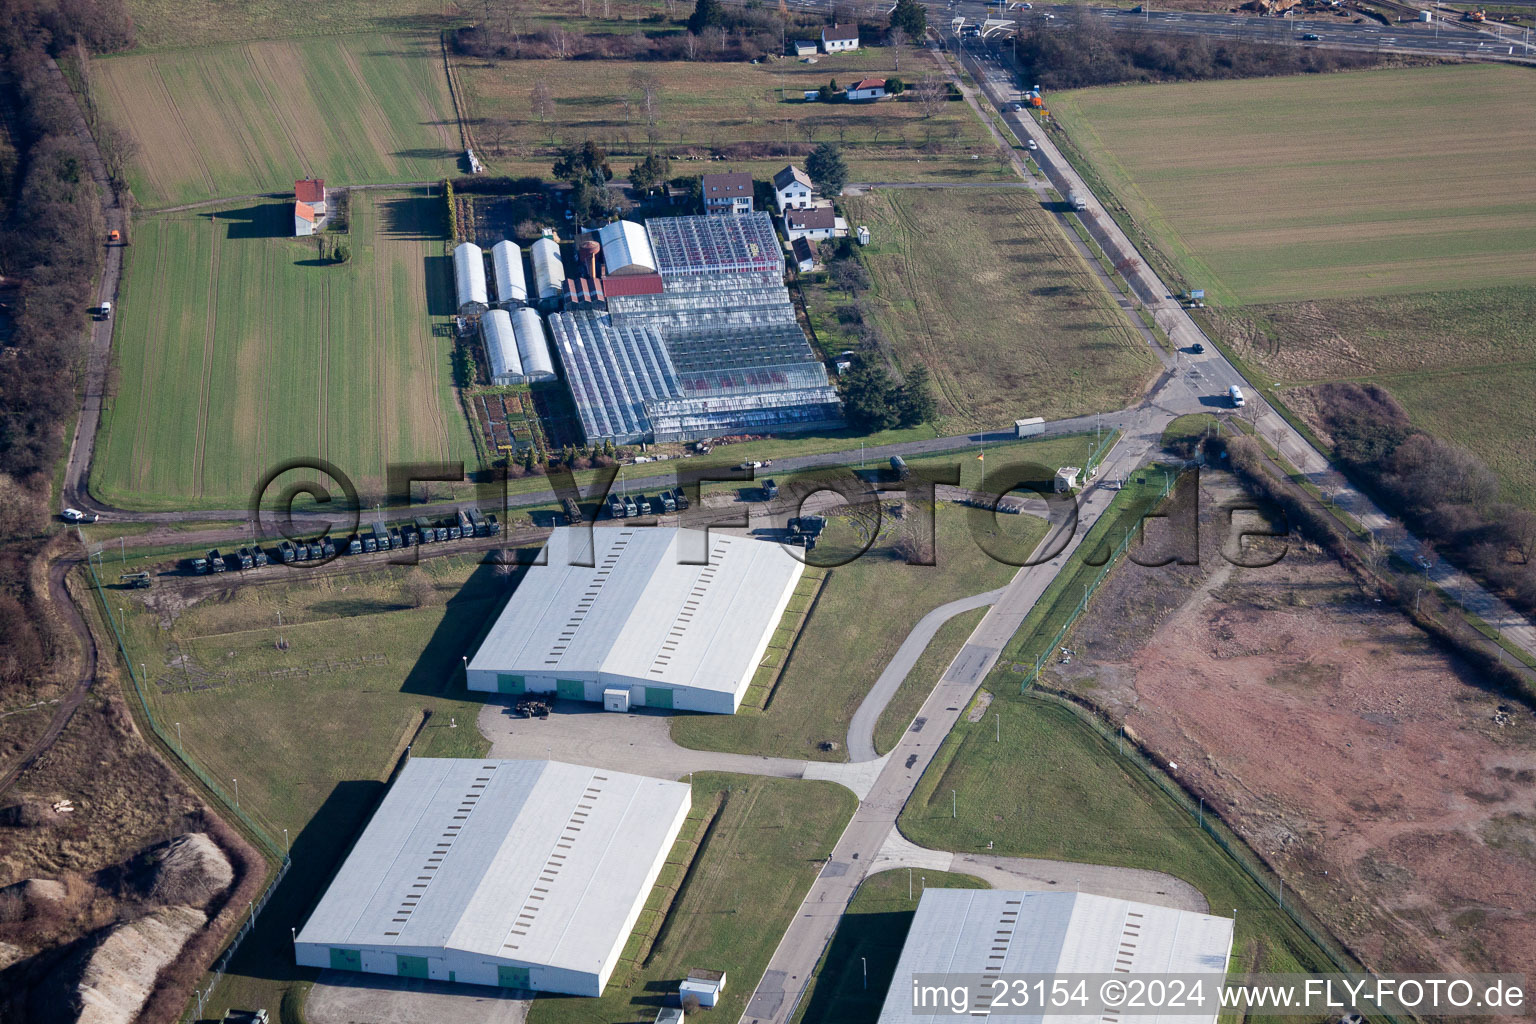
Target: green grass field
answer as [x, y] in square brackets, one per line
[865, 610]
[871, 935]
[310, 732]
[984, 289]
[235, 352]
[1053, 788]
[764, 851]
[904, 706]
[1463, 363]
[705, 105]
[1324, 186]
[242, 119]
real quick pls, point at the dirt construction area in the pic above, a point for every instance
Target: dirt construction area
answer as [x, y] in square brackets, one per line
[1371, 768]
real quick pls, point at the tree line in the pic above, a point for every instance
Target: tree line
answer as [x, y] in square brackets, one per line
[51, 244]
[713, 31]
[1440, 490]
[1086, 49]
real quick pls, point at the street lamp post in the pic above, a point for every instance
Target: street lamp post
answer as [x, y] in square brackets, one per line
[237, 793]
[178, 735]
[285, 843]
[865, 962]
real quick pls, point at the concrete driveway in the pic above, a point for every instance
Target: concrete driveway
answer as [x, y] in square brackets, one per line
[640, 742]
[343, 997]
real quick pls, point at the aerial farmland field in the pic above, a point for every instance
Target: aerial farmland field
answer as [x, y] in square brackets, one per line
[236, 349]
[1324, 186]
[703, 106]
[247, 118]
[983, 288]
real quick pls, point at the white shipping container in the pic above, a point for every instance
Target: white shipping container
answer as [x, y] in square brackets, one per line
[1030, 427]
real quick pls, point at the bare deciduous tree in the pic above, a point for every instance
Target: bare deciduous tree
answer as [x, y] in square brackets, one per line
[929, 93]
[541, 101]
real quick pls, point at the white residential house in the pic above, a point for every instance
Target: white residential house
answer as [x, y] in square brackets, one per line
[729, 193]
[792, 189]
[814, 223]
[804, 257]
[868, 89]
[839, 38]
[309, 206]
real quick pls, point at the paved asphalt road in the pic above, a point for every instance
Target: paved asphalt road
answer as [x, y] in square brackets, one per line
[1208, 376]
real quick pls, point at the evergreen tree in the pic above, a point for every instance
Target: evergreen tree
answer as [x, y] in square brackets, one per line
[705, 14]
[914, 401]
[826, 167]
[912, 18]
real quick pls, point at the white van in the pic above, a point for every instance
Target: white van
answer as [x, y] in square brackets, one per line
[1236, 394]
[106, 310]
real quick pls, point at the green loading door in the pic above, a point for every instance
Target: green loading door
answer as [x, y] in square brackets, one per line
[507, 683]
[346, 959]
[658, 696]
[571, 689]
[511, 977]
[411, 966]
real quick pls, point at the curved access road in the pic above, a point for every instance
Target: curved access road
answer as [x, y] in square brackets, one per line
[861, 730]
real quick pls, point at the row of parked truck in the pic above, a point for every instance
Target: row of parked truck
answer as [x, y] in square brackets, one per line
[467, 522]
[665, 502]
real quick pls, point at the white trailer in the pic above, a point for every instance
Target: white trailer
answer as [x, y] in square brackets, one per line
[1031, 427]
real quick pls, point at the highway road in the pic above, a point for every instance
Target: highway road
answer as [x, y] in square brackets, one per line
[1444, 37]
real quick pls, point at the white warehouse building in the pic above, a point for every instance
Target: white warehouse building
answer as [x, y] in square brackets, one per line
[988, 932]
[469, 278]
[520, 874]
[507, 267]
[637, 626]
[501, 347]
[532, 345]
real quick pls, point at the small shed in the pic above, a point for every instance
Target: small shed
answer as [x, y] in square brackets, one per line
[469, 279]
[1066, 478]
[616, 698]
[803, 48]
[669, 1015]
[705, 986]
[804, 257]
[507, 266]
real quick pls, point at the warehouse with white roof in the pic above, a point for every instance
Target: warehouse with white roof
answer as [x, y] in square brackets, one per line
[521, 874]
[637, 625]
[985, 932]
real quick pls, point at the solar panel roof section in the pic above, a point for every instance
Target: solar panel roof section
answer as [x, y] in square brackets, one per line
[473, 871]
[693, 246]
[986, 931]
